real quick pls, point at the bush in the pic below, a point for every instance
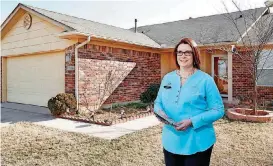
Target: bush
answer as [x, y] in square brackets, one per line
[136, 105]
[150, 94]
[63, 101]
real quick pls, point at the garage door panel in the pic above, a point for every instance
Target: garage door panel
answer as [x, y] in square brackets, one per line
[34, 91]
[29, 99]
[35, 79]
[34, 88]
[47, 77]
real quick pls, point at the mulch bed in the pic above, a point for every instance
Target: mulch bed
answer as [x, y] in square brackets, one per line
[106, 117]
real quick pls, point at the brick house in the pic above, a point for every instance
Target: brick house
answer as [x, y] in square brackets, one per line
[44, 53]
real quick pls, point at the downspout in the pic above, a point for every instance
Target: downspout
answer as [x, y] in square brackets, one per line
[77, 69]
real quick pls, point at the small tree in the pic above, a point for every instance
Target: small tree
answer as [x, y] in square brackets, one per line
[99, 80]
[256, 33]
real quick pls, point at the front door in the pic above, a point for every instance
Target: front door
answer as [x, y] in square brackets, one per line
[220, 73]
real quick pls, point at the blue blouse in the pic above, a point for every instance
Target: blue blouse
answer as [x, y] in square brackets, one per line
[199, 100]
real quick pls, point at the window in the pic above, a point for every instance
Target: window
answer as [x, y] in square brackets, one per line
[265, 68]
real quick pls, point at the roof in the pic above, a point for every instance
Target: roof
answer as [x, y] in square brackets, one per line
[204, 30]
[261, 30]
[96, 29]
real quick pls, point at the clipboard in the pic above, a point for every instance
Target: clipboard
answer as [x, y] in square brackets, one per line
[166, 121]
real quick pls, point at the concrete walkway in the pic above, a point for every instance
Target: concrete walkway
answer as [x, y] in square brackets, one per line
[13, 113]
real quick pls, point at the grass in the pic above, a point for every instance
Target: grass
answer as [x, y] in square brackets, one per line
[238, 143]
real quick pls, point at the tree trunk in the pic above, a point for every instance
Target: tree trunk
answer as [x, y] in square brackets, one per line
[254, 85]
[111, 107]
[255, 99]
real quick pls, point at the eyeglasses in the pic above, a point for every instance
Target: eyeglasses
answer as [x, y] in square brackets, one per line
[186, 53]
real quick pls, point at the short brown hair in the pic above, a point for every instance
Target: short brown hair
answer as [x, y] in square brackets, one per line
[196, 53]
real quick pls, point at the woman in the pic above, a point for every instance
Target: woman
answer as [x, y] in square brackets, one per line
[190, 98]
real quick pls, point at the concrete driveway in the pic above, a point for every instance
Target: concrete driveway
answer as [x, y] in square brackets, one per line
[13, 113]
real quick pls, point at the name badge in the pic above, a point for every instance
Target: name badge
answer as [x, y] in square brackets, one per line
[168, 86]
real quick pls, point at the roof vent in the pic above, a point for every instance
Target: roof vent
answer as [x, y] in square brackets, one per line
[240, 16]
[135, 25]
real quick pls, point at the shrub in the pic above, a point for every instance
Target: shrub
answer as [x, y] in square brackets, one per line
[150, 94]
[63, 101]
[138, 105]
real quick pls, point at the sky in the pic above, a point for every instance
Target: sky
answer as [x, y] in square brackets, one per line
[123, 13]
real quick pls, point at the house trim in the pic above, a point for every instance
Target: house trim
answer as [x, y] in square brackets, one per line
[229, 56]
[21, 6]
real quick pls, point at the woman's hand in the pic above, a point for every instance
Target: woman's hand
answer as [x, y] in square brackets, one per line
[183, 125]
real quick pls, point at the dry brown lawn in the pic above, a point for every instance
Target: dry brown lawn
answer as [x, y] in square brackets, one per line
[238, 144]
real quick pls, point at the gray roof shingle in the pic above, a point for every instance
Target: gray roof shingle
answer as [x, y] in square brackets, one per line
[204, 30]
[262, 31]
[98, 29]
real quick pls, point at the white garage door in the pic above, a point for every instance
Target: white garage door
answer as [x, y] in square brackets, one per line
[35, 79]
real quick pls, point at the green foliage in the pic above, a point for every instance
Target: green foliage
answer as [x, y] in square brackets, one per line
[150, 94]
[139, 105]
[63, 101]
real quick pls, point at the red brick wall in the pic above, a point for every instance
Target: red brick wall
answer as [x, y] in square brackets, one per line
[99, 78]
[243, 82]
[147, 70]
[70, 69]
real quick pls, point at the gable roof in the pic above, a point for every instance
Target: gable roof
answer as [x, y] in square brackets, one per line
[204, 30]
[95, 29]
